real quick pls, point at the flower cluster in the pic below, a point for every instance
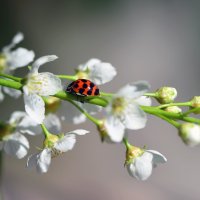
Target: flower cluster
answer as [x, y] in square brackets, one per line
[124, 110]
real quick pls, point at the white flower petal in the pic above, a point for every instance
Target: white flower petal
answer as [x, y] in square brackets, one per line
[157, 157]
[16, 117]
[79, 119]
[115, 129]
[66, 143]
[45, 84]
[92, 109]
[134, 117]
[12, 92]
[44, 161]
[19, 58]
[52, 123]
[40, 160]
[16, 145]
[41, 61]
[133, 90]
[89, 64]
[78, 132]
[35, 107]
[16, 39]
[102, 73]
[29, 132]
[143, 101]
[32, 161]
[141, 168]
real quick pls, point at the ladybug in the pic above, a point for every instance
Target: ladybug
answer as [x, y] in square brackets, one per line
[83, 87]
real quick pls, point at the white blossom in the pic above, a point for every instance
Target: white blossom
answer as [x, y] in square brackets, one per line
[39, 84]
[123, 111]
[13, 59]
[141, 167]
[42, 160]
[14, 142]
[16, 58]
[97, 71]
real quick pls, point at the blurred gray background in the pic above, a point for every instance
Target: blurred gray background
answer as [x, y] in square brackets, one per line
[158, 41]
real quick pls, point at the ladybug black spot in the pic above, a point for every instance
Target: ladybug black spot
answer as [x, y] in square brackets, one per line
[91, 85]
[85, 85]
[89, 92]
[76, 85]
[81, 91]
[96, 92]
[84, 80]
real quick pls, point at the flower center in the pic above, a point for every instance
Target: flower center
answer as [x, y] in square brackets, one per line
[55, 152]
[118, 106]
[34, 83]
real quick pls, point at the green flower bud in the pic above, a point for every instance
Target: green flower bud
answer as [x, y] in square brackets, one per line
[166, 95]
[190, 134]
[173, 109]
[195, 103]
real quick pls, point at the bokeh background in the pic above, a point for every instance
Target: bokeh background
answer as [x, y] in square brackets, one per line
[152, 40]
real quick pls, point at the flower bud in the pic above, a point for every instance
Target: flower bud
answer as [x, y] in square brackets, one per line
[166, 95]
[195, 103]
[173, 109]
[190, 134]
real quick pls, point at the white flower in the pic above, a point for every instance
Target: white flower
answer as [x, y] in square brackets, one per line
[141, 167]
[42, 160]
[39, 84]
[14, 143]
[13, 59]
[16, 58]
[123, 112]
[190, 134]
[97, 71]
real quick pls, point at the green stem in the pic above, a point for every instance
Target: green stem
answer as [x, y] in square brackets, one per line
[45, 131]
[155, 111]
[72, 78]
[172, 122]
[14, 78]
[106, 94]
[150, 94]
[11, 84]
[175, 104]
[103, 102]
[193, 110]
[91, 118]
[126, 143]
